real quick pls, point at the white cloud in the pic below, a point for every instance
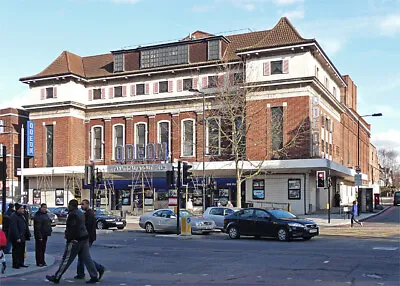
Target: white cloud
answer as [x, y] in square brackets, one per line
[287, 2]
[16, 101]
[390, 25]
[389, 140]
[295, 14]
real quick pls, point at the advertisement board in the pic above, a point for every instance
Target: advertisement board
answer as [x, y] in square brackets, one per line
[30, 139]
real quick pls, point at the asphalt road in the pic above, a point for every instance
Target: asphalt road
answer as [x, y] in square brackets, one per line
[137, 258]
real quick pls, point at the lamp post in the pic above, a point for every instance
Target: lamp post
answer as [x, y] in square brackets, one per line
[358, 169]
[204, 143]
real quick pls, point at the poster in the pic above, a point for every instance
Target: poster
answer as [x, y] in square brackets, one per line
[37, 197]
[59, 197]
[294, 189]
[258, 189]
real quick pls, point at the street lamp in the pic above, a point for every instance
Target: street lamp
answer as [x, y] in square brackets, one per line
[204, 143]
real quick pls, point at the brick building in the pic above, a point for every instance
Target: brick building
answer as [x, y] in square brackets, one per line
[83, 107]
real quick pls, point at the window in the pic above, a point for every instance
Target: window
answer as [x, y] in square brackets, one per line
[49, 145]
[237, 78]
[294, 189]
[330, 149]
[316, 72]
[163, 132]
[214, 50]
[140, 133]
[140, 89]
[213, 136]
[49, 92]
[188, 138]
[323, 146]
[163, 86]
[217, 211]
[187, 83]
[59, 197]
[212, 81]
[326, 147]
[334, 91]
[276, 67]
[247, 213]
[118, 137]
[261, 214]
[164, 56]
[118, 62]
[97, 93]
[276, 128]
[97, 146]
[239, 137]
[326, 82]
[118, 91]
[1, 126]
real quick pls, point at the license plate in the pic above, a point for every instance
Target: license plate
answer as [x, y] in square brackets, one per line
[119, 222]
[313, 230]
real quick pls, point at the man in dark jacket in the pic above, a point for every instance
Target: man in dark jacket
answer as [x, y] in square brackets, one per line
[77, 244]
[6, 225]
[17, 234]
[90, 223]
[42, 230]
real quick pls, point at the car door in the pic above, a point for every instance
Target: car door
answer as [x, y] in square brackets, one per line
[170, 221]
[217, 215]
[155, 219]
[62, 215]
[264, 223]
[247, 222]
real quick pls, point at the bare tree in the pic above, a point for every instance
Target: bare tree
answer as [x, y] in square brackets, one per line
[388, 160]
[233, 117]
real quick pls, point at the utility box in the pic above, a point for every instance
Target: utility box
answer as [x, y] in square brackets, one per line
[186, 228]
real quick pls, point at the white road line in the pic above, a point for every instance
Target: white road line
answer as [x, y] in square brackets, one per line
[326, 261]
[384, 248]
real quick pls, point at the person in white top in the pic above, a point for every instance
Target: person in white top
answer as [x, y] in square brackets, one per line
[189, 204]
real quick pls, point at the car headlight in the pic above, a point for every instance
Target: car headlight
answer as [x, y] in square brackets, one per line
[55, 217]
[199, 224]
[295, 224]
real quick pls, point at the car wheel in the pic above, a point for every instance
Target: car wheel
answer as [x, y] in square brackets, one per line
[233, 232]
[149, 227]
[306, 238]
[100, 225]
[257, 237]
[120, 227]
[283, 234]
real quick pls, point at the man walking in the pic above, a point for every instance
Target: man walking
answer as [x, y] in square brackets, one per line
[354, 212]
[42, 230]
[90, 223]
[17, 234]
[77, 244]
[6, 226]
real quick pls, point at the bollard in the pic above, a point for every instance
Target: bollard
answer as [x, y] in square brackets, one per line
[186, 228]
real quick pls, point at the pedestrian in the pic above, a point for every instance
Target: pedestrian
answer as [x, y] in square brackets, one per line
[18, 234]
[3, 244]
[354, 213]
[77, 243]
[90, 223]
[135, 206]
[189, 205]
[42, 230]
[229, 204]
[6, 226]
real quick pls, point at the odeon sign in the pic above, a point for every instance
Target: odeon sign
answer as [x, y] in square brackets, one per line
[141, 152]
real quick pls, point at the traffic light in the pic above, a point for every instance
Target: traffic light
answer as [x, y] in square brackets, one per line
[186, 174]
[321, 179]
[170, 176]
[213, 185]
[99, 177]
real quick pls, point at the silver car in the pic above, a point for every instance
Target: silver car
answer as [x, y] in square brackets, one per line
[164, 220]
[217, 214]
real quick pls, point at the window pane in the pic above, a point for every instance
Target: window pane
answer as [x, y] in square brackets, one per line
[140, 89]
[163, 132]
[140, 133]
[49, 145]
[237, 78]
[164, 56]
[119, 135]
[118, 91]
[212, 81]
[276, 128]
[276, 67]
[213, 50]
[187, 84]
[97, 93]
[163, 86]
[97, 143]
[213, 136]
[118, 62]
[49, 92]
[188, 140]
[239, 134]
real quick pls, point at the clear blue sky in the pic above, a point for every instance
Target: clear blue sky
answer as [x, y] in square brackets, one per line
[362, 38]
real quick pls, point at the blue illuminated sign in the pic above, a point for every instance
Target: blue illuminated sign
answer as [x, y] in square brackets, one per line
[30, 139]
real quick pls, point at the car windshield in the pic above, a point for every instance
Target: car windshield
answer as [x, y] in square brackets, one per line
[281, 214]
[34, 208]
[103, 212]
[397, 194]
[185, 213]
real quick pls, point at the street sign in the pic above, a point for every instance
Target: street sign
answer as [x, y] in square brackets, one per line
[358, 170]
[358, 180]
[134, 168]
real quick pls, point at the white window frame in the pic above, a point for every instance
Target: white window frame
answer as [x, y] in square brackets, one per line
[101, 142]
[114, 141]
[1, 126]
[207, 136]
[169, 133]
[194, 137]
[135, 132]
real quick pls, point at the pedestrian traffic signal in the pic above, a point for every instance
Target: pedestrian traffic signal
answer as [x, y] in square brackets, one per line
[186, 174]
[321, 179]
[99, 177]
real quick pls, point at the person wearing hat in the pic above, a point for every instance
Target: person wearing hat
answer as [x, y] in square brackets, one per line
[6, 225]
[17, 236]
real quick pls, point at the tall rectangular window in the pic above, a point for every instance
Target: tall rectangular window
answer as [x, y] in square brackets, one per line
[163, 86]
[163, 132]
[214, 50]
[96, 93]
[118, 135]
[276, 128]
[118, 62]
[49, 145]
[49, 92]
[187, 83]
[97, 143]
[188, 138]
[118, 91]
[140, 89]
[239, 133]
[1, 126]
[213, 136]
[140, 133]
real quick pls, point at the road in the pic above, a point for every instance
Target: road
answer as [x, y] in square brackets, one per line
[137, 258]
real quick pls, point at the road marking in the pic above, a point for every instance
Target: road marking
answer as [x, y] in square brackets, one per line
[289, 278]
[23, 279]
[155, 253]
[317, 280]
[384, 248]
[178, 274]
[326, 261]
[122, 284]
[259, 277]
[204, 274]
[70, 281]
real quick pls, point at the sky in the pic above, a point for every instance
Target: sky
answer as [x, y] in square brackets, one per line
[361, 37]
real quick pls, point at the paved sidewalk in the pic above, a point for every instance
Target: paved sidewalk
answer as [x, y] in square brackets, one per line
[30, 261]
[339, 219]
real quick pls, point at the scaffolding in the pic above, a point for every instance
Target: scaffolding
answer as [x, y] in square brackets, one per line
[44, 183]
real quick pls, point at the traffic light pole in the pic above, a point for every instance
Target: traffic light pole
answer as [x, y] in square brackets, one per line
[4, 172]
[92, 190]
[329, 196]
[178, 185]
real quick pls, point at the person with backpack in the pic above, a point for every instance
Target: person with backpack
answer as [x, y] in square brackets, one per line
[42, 230]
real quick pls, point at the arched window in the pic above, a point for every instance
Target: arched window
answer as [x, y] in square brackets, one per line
[97, 142]
[164, 133]
[188, 138]
[118, 137]
[140, 133]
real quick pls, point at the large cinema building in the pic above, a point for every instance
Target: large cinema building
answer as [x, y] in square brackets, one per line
[82, 108]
